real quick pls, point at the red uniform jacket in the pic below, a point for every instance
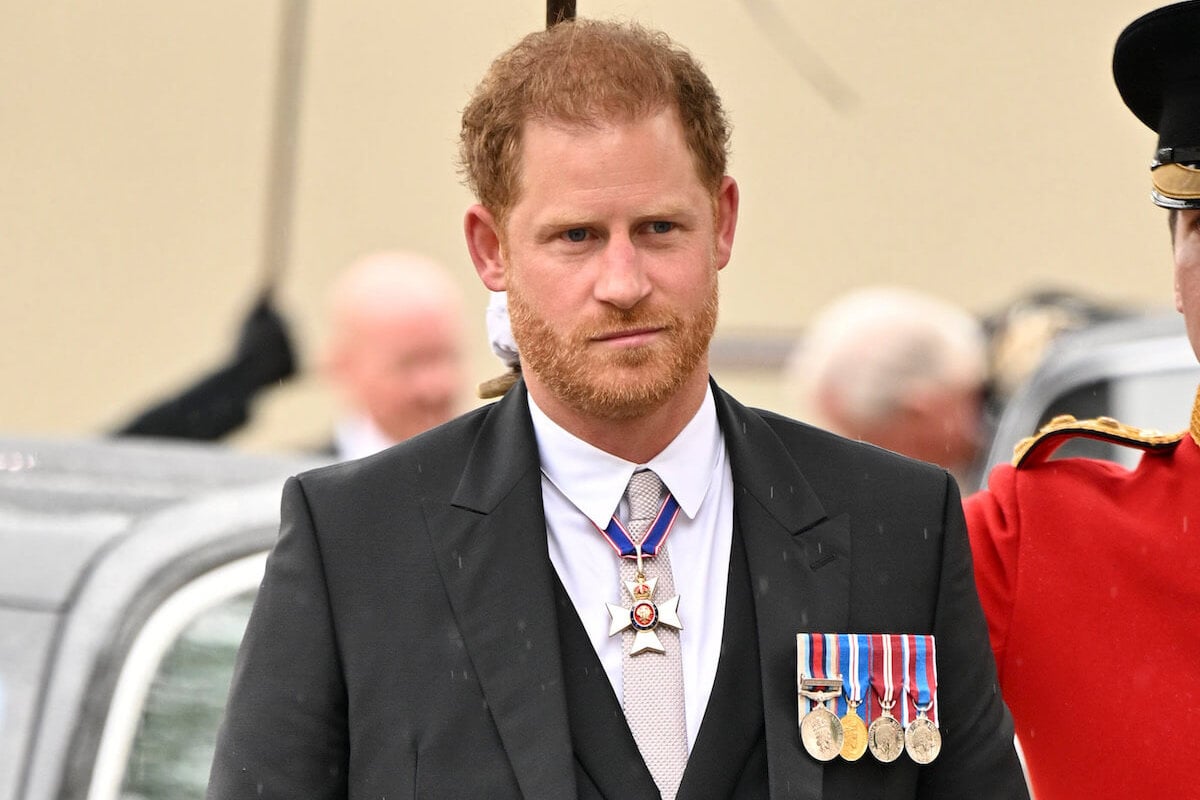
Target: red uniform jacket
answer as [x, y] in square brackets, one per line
[1089, 575]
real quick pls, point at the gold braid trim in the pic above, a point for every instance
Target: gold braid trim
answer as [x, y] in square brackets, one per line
[1036, 449]
[1195, 426]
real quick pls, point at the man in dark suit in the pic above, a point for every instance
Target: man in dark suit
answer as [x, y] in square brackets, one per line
[448, 618]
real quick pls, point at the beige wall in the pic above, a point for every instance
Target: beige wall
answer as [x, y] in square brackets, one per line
[975, 149]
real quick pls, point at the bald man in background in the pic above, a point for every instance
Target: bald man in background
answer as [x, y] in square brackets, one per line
[900, 369]
[394, 356]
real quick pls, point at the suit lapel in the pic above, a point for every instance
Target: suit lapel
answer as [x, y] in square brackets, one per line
[799, 562]
[490, 545]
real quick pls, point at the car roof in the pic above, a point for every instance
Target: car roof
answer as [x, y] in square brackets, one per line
[63, 502]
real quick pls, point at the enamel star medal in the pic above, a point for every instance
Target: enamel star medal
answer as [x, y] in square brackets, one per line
[644, 615]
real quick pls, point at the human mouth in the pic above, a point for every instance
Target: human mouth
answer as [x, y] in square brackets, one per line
[629, 337]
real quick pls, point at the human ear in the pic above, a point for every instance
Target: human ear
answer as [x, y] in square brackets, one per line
[727, 213]
[483, 243]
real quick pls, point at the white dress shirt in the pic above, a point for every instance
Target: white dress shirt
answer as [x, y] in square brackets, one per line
[583, 487]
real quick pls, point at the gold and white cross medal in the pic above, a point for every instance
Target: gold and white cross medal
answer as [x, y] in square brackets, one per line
[644, 615]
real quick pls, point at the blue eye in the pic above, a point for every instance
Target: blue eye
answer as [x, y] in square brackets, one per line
[662, 227]
[576, 235]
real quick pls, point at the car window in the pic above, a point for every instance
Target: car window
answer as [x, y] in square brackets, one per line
[173, 749]
[160, 734]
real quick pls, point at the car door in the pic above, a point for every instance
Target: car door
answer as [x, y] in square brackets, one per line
[127, 574]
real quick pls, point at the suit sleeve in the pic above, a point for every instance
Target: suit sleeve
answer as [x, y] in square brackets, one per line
[978, 757]
[284, 734]
[994, 531]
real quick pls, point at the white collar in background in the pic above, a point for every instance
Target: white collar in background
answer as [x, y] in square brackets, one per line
[357, 436]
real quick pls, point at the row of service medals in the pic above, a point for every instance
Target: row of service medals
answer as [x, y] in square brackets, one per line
[857, 667]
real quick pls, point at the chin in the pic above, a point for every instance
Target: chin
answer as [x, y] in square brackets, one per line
[624, 399]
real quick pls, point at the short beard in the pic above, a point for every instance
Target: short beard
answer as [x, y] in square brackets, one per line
[565, 363]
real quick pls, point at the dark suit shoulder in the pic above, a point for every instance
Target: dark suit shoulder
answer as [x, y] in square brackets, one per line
[840, 476]
[427, 460]
[802, 437]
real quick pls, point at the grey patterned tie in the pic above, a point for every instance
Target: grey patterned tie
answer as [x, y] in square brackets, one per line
[653, 682]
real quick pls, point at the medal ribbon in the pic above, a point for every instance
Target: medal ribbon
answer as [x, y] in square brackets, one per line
[817, 658]
[922, 676]
[905, 711]
[856, 673]
[887, 670]
[803, 668]
[830, 668]
[623, 543]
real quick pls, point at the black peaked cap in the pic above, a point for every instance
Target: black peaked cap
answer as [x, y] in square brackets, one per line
[1156, 64]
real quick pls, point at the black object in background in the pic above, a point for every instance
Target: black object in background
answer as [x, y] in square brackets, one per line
[219, 402]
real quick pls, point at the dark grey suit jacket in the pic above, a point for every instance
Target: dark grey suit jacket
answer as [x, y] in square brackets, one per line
[411, 639]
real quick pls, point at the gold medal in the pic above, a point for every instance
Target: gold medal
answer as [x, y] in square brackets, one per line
[854, 730]
[922, 739]
[858, 680]
[885, 737]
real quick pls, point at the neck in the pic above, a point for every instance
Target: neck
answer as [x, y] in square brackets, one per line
[637, 439]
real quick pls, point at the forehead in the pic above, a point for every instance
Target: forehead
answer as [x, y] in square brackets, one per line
[643, 154]
[660, 127]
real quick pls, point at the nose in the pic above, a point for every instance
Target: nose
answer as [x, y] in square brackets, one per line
[622, 280]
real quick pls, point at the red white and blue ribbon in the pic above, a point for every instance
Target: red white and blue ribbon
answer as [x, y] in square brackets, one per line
[855, 664]
[875, 669]
[805, 647]
[621, 542]
[832, 663]
[818, 659]
[920, 677]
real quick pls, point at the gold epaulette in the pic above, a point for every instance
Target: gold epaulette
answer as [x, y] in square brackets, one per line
[1036, 449]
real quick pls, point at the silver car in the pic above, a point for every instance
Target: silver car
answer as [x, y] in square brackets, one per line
[127, 572]
[1140, 370]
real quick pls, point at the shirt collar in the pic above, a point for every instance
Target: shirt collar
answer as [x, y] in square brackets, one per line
[594, 481]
